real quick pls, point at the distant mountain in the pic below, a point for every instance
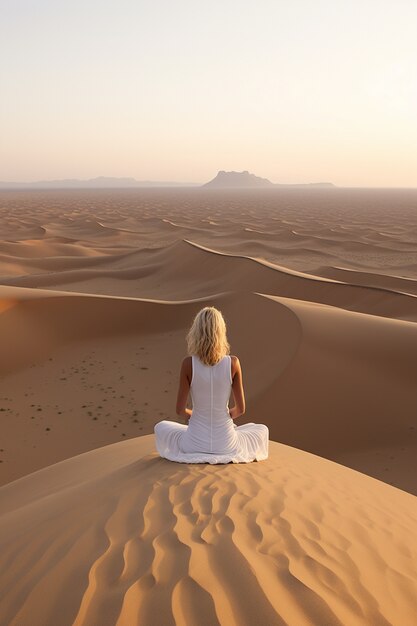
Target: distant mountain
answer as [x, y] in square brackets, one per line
[238, 179]
[244, 180]
[223, 180]
[101, 182]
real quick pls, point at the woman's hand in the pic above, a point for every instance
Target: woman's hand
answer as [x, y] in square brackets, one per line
[187, 414]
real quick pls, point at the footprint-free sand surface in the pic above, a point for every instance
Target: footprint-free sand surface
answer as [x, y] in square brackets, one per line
[119, 536]
[319, 291]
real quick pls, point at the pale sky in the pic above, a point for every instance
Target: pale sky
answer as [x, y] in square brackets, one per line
[294, 90]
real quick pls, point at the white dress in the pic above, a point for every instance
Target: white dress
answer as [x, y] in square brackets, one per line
[211, 435]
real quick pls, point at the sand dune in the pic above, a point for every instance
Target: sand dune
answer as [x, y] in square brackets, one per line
[120, 536]
[371, 279]
[355, 370]
[187, 270]
[97, 290]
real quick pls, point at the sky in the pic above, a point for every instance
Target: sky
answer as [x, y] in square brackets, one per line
[175, 90]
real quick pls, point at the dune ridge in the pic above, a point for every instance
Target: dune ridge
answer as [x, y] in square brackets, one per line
[221, 271]
[97, 290]
[121, 536]
[324, 350]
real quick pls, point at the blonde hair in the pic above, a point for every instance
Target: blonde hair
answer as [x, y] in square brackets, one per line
[207, 337]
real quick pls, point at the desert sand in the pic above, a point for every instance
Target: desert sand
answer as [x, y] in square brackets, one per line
[319, 291]
[97, 290]
[120, 536]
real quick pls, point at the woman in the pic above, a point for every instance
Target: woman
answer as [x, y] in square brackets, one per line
[209, 373]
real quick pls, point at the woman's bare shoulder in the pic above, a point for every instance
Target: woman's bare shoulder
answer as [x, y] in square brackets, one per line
[187, 367]
[235, 363]
[187, 363]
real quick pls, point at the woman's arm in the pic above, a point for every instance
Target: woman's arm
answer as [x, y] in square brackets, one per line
[237, 387]
[183, 391]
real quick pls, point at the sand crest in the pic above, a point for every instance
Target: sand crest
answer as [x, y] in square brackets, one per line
[120, 536]
[82, 370]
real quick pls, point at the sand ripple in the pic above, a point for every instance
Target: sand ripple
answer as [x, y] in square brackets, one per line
[120, 536]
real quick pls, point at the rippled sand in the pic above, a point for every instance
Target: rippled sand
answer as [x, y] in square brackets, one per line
[97, 291]
[119, 536]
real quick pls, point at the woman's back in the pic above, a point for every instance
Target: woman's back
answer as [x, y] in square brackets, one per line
[210, 427]
[211, 386]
